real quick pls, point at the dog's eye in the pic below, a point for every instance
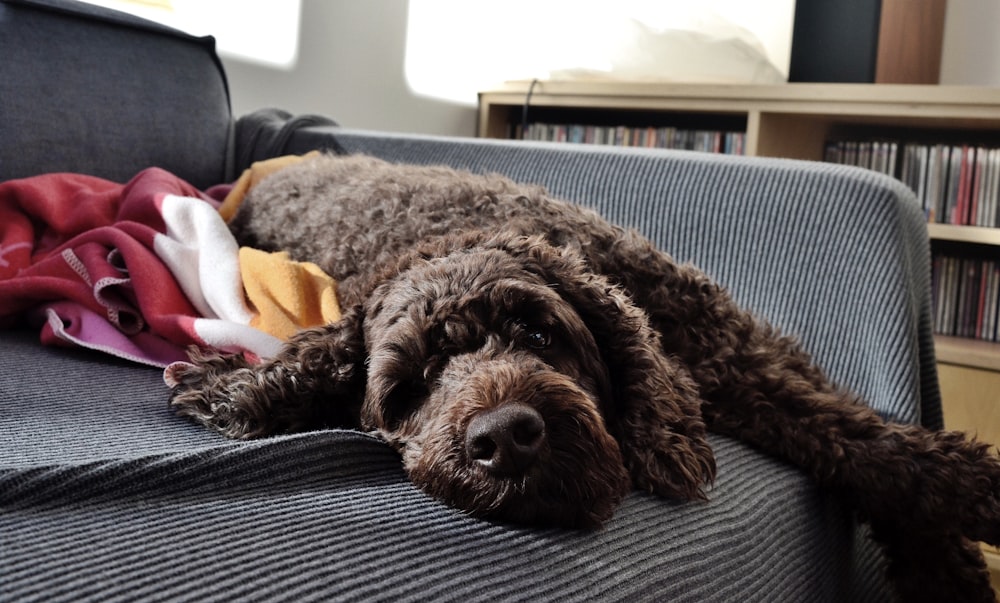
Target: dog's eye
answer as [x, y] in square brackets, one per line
[404, 399]
[536, 338]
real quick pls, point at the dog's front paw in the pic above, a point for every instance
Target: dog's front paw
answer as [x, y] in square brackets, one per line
[217, 392]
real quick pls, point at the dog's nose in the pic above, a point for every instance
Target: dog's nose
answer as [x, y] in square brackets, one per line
[506, 440]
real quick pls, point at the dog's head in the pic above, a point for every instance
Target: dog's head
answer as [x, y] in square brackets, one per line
[517, 385]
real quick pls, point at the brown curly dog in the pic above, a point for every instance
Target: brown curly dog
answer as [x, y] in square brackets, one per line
[532, 362]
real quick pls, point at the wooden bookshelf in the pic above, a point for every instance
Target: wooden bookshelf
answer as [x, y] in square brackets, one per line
[790, 120]
[797, 121]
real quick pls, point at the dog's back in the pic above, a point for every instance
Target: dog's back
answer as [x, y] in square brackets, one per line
[351, 214]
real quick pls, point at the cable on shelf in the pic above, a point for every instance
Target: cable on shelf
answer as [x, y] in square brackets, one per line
[524, 109]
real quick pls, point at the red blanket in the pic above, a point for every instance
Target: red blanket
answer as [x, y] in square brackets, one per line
[141, 270]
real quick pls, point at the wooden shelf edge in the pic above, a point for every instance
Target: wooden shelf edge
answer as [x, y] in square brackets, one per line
[907, 94]
[964, 234]
[967, 352]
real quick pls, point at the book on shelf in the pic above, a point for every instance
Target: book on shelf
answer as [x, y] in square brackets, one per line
[966, 297]
[955, 184]
[710, 141]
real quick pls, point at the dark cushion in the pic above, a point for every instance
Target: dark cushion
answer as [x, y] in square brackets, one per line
[85, 89]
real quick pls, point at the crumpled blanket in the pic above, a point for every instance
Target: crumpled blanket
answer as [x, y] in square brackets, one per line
[145, 270]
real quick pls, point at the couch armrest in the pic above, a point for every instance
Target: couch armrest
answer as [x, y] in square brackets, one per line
[91, 90]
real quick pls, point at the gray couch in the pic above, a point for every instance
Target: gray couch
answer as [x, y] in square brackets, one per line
[105, 495]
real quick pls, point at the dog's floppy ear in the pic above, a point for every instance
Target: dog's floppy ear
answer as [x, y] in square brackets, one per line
[655, 411]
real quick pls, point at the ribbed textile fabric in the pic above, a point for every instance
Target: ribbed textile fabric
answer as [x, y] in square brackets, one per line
[329, 516]
[104, 497]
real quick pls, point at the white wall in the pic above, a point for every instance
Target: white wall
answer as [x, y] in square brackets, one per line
[491, 42]
[349, 68]
[352, 60]
[971, 53]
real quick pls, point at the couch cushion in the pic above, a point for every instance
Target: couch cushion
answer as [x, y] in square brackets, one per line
[86, 89]
[105, 495]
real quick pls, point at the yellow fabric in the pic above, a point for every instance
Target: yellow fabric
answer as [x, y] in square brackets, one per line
[287, 295]
[252, 176]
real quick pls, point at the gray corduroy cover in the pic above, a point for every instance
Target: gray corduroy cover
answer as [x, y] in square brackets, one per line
[104, 495]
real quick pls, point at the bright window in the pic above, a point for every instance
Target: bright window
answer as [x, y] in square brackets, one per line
[261, 31]
[455, 48]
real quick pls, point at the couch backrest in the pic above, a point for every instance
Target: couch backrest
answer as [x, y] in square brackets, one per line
[86, 89]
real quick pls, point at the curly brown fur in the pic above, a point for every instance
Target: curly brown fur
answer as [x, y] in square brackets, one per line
[532, 362]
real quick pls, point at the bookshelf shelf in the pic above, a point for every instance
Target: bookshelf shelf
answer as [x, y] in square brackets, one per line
[794, 121]
[970, 353]
[964, 234]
